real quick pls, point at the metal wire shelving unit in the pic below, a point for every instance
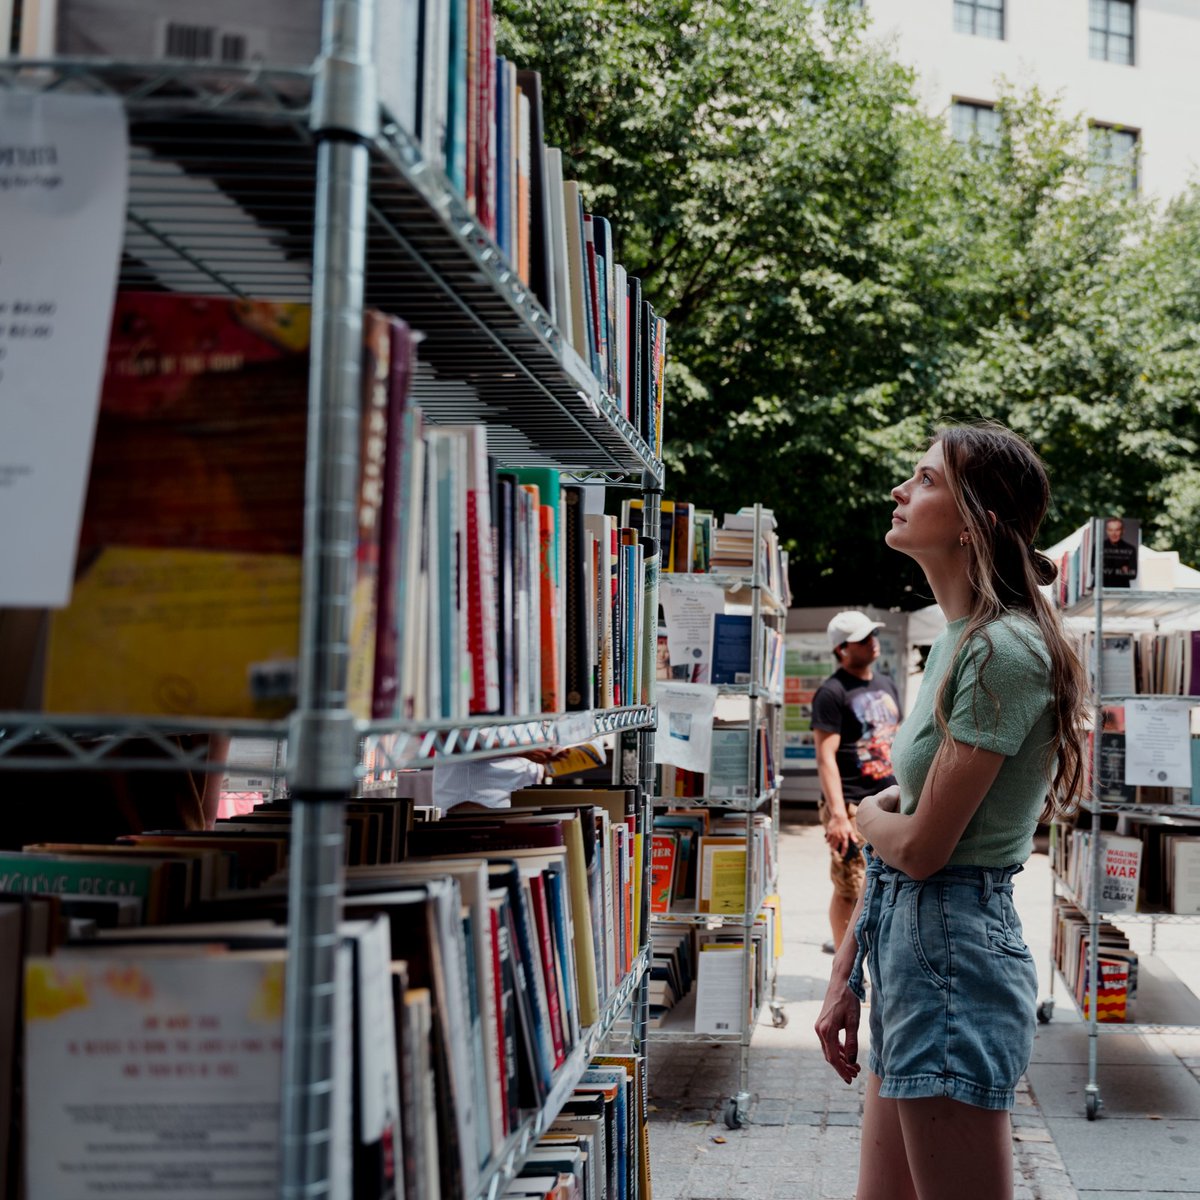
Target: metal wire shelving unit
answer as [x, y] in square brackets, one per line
[764, 708]
[1120, 605]
[293, 184]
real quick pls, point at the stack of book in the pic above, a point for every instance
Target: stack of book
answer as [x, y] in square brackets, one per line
[1150, 864]
[597, 1147]
[476, 591]
[728, 777]
[707, 964]
[1147, 663]
[1118, 963]
[698, 861]
[476, 952]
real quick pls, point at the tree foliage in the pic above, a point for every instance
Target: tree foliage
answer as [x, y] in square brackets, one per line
[840, 277]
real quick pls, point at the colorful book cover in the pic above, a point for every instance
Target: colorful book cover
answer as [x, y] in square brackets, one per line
[664, 848]
[187, 595]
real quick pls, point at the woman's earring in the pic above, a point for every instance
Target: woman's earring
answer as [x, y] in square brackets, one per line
[963, 539]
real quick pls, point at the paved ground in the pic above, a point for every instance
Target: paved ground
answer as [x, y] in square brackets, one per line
[802, 1140]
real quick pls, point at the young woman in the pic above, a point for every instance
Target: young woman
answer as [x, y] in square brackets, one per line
[992, 734]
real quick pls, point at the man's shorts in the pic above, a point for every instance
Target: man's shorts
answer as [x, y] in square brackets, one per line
[847, 876]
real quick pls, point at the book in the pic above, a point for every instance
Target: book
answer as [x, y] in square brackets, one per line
[181, 1030]
[187, 592]
[396, 564]
[541, 271]
[732, 636]
[576, 603]
[372, 451]
[663, 854]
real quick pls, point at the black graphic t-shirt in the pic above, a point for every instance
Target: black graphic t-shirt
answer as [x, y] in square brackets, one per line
[866, 713]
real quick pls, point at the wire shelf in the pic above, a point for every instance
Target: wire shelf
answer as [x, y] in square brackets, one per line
[732, 582]
[1133, 604]
[47, 742]
[730, 803]
[416, 744]
[503, 1169]
[221, 199]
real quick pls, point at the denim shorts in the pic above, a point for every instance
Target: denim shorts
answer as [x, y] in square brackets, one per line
[954, 987]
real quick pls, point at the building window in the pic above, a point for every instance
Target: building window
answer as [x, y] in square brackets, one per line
[981, 18]
[976, 125]
[1113, 156]
[1110, 31]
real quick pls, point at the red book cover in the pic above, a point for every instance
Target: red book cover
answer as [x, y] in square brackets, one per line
[485, 186]
[482, 625]
[617, 621]
[541, 917]
[663, 847]
[551, 693]
[386, 697]
[498, 990]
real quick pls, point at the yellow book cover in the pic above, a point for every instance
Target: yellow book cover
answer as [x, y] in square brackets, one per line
[774, 903]
[722, 875]
[177, 633]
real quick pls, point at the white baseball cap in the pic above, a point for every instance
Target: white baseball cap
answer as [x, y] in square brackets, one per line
[851, 626]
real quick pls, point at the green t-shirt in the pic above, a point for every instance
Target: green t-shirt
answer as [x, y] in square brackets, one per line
[1014, 720]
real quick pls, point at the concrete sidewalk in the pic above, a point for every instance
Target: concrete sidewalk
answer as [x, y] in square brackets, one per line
[802, 1139]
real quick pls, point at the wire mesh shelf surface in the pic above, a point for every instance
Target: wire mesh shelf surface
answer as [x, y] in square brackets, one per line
[222, 199]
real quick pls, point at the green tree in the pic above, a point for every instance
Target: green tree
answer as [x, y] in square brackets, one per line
[839, 276]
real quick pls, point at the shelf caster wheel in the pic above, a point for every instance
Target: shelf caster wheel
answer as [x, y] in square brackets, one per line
[778, 1017]
[1094, 1104]
[1045, 1011]
[735, 1111]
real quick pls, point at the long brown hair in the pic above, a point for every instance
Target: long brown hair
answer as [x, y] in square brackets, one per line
[990, 469]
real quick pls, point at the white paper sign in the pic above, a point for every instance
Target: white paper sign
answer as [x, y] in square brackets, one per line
[688, 607]
[124, 1051]
[685, 722]
[63, 168]
[1158, 749]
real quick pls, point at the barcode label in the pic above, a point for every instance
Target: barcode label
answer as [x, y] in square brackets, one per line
[204, 43]
[721, 1024]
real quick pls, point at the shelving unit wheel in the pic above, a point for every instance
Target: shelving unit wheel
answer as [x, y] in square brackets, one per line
[1093, 1103]
[778, 1017]
[735, 1110]
[1045, 1012]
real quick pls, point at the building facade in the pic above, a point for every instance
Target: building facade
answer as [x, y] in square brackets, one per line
[1129, 69]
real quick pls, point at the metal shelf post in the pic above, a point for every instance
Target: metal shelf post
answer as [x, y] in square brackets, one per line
[322, 740]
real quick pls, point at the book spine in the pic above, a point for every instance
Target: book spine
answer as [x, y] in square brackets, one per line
[392, 568]
[506, 1032]
[545, 942]
[578, 687]
[551, 693]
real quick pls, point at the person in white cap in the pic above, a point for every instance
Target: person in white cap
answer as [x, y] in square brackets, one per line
[855, 714]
